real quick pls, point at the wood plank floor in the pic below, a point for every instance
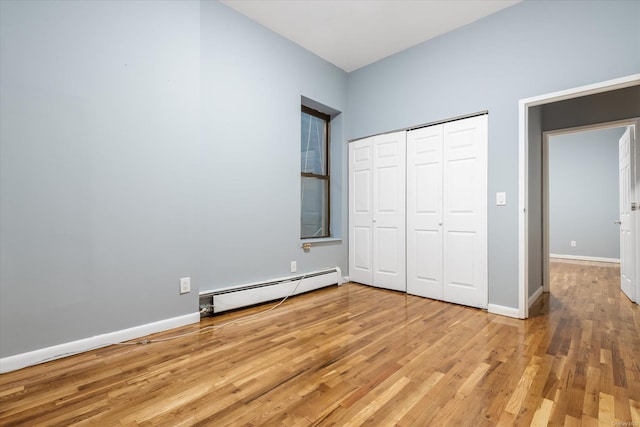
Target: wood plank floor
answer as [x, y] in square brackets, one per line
[355, 355]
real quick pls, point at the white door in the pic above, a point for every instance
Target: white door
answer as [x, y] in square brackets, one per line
[627, 235]
[424, 212]
[389, 181]
[465, 212]
[361, 211]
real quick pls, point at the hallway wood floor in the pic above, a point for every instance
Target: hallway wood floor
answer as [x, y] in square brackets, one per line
[356, 355]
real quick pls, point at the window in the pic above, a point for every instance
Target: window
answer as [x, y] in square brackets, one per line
[314, 138]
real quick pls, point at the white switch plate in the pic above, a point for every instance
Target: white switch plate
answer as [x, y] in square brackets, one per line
[185, 285]
[573, 243]
[501, 198]
[294, 266]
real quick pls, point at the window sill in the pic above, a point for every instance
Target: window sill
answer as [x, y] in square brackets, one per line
[321, 240]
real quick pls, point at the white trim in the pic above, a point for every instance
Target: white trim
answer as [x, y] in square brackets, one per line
[597, 126]
[19, 361]
[546, 272]
[523, 172]
[317, 240]
[585, 258]
[592, 89]
[504, 311]
[537, 294]
[523, 229]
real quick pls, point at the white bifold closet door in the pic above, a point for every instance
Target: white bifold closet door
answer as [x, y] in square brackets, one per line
[424, 212]
[447, 212]
[377, 211]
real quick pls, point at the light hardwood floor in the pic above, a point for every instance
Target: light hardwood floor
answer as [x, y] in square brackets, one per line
[355, 355]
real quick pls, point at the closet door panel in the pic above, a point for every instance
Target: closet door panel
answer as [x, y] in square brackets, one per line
[361, 211]
[424, 212]
[388, 258]
[465, 212]
[389, 269]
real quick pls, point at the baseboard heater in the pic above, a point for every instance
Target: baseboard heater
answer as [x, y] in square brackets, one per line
[231, 298]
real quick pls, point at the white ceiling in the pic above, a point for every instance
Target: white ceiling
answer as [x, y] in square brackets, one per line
[353, 33]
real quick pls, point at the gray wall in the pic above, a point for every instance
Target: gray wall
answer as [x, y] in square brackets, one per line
[141, 142]
[99, 167]
[583, 193]
[252, 81]
[526, 50]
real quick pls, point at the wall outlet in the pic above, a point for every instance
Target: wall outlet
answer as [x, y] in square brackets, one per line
[573, 243]
[185, 285]
[294, 266]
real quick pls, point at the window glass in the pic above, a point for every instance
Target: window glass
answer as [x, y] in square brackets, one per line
[314, 141]
[314, 219]
[314, 171]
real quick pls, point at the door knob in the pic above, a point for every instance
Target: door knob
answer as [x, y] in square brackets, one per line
[618, 222]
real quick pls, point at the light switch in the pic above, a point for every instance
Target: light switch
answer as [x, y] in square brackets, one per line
[501, 198]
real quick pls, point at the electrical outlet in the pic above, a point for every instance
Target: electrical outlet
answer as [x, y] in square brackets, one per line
[185, 285]
[294, 266]
[573, 243]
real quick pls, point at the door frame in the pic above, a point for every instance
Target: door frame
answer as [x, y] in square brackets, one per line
[523, 168]
[546, 277]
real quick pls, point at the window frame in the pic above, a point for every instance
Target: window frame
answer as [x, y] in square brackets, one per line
[327, 177]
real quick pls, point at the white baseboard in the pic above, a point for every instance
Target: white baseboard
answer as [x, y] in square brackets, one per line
[19, 361]
[504, 311]
[537, 294]
[585, 258]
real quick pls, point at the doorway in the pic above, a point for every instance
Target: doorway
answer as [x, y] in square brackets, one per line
[602, 102]
[581, 196]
